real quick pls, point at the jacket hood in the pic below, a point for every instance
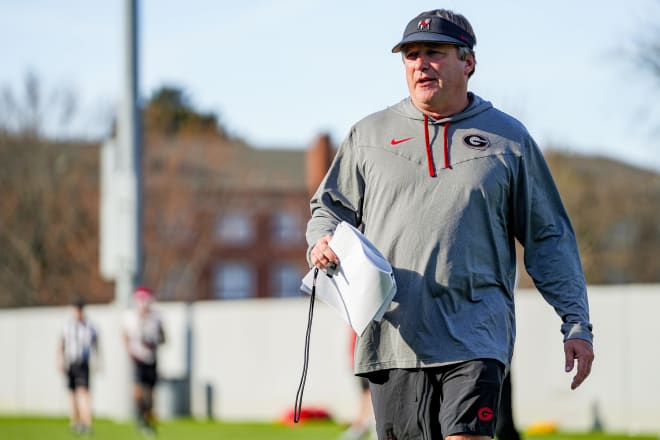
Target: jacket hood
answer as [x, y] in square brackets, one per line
[407, 109]
[477, 105]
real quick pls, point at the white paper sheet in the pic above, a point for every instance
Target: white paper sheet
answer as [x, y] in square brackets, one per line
[363, 286]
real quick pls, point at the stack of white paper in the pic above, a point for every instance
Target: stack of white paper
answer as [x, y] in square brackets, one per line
[364, 285]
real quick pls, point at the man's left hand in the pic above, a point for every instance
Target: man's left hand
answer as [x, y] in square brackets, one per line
[583, 352]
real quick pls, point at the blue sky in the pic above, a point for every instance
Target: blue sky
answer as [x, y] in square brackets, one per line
[280, 72]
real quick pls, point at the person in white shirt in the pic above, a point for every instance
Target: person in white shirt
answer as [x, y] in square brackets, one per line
[78, 342]
[143, 333]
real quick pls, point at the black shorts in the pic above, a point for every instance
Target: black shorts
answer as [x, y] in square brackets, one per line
[145, 374]
[433, 403]
[78, 376]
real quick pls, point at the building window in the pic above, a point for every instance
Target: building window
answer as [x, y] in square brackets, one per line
[234, 228]
[287, 227]
[233, 280]
[285, 280]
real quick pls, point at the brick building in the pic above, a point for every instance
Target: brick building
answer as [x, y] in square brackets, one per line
[227, 221]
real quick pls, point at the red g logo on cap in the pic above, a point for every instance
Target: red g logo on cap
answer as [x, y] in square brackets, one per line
[424, 24]
[485, 414]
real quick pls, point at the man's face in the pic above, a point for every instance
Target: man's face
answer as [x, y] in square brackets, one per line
[435, 75]
[143, 305]
[78, 313]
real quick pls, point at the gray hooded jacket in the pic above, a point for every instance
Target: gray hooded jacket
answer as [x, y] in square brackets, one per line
[444, 202]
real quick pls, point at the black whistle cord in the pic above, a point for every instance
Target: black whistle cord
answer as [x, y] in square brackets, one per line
[297, 408]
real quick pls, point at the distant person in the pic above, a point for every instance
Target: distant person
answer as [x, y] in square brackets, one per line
[363, 425]
[78, 342]
[143, 333]
[443, 184]
[505, 428]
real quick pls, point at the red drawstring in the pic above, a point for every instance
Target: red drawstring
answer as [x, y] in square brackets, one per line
[429, 152]
[447, 165]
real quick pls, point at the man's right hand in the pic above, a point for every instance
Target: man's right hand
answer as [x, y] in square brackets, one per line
[583, 352]
[321, 254]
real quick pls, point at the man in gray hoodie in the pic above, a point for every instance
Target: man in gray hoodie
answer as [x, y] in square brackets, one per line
[443, 184]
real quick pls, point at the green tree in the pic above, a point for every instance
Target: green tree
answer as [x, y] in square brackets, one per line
[170, 112]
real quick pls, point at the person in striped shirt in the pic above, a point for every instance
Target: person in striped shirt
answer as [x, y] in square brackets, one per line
[78, 342]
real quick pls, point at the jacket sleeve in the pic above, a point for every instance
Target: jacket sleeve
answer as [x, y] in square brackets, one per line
[339, 197]
[542, 226]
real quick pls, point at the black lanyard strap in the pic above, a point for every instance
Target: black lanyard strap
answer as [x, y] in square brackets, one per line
[297, 408]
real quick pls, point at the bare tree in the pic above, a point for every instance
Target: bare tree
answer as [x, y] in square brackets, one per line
[646, 51]
[48, 210]
[185, 151]
[29, 110]
[644, 58]
[48, 231]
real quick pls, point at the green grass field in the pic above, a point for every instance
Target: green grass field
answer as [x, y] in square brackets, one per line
[58, 429]
[12, 428]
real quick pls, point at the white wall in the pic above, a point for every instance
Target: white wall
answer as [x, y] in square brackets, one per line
[624, 384]
[251, 352]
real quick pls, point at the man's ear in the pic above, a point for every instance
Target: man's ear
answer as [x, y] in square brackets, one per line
[470, 62]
